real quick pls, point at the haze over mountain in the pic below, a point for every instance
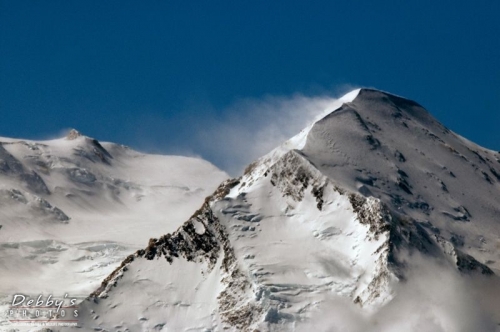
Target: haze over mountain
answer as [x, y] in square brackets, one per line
[71, 209]
[376, 217]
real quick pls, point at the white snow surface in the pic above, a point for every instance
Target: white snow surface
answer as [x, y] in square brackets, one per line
[71, 209]
[374, 218]
[340, 216]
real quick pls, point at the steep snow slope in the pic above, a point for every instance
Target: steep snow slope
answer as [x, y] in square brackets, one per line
[376, 204]
[419, 168]
[72, 209]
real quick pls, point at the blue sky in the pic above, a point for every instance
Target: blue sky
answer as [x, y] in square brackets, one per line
[153, 74]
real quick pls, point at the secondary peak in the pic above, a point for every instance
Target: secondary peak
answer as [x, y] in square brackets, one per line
[73, 134]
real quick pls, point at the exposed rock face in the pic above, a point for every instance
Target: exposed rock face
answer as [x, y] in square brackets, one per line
[339, 214]
[199, 239]
[73, 134]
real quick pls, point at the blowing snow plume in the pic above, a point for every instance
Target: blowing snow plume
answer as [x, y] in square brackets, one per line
[254, 127]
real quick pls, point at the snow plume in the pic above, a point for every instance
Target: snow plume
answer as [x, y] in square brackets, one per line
[433, 298]
[252, 127]
[44, 137]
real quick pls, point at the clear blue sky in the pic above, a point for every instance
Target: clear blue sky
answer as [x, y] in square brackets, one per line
[141, 72]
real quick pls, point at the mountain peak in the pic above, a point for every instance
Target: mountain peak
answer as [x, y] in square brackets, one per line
[355, 208]
[370, 94]
[73, 134]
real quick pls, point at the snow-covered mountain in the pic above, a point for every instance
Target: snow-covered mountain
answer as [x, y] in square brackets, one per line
[376, 217]
[71, 209]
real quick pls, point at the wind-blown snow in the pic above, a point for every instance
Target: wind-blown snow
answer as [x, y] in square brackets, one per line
[73, 208]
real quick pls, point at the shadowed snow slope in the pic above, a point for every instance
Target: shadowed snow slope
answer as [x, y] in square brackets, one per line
[72, 209]
[363, 221]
